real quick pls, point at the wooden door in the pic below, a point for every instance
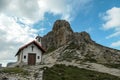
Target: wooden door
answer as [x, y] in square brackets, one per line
[31, 59]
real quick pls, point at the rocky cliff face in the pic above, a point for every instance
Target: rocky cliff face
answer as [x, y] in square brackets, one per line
[63, 44]
[60, 35]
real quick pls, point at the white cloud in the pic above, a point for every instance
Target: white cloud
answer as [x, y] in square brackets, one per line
[34, 10]
[113, 35]
[115, 44]
[112, 18]
[14, 31]
[112, 21]
[62, 7]
[13, 35]
[26, 9]
[55, 7]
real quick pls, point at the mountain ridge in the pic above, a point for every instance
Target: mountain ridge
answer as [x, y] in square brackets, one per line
[76, 46]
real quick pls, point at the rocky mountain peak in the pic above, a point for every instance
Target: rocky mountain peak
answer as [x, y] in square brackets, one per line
[65, 45]
[60, 35]
[62, 25]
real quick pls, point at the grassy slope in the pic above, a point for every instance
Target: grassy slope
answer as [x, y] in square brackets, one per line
[62, 72]
[14, 71]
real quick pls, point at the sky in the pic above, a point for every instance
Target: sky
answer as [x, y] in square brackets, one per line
[22, 20]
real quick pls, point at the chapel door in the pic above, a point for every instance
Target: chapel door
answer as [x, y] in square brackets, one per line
[31, 59]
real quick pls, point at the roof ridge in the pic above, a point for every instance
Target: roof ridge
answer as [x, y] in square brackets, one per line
[36, 43]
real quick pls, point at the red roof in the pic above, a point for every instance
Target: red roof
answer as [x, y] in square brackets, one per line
[36, 43]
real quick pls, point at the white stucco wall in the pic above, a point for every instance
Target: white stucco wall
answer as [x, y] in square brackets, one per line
[28, 50]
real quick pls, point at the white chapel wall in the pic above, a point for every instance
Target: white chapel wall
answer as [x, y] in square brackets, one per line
[36, 51]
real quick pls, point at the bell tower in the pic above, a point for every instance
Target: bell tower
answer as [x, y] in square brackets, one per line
[38, 39]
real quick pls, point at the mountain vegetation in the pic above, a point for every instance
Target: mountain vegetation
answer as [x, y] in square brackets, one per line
[62, 72]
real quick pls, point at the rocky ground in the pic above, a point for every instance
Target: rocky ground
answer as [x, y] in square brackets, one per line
[36, 72]
[33, 73]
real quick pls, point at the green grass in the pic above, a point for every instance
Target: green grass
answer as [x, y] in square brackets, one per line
[15, 71]
[62, 72]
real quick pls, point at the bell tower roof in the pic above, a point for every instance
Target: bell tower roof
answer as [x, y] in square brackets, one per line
[37, 37]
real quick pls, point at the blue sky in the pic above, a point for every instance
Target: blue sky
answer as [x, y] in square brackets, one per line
[22, 20]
